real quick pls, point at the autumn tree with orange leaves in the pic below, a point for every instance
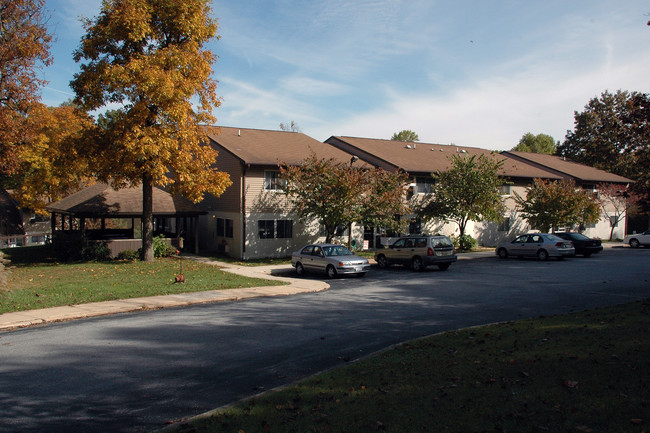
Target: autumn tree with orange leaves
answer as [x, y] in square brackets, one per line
[147, 57]
[24, 46]
[51, 164]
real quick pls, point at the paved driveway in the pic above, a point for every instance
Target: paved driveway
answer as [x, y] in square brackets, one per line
[134, 372]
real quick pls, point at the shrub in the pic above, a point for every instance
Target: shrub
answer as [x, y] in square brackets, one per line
[161, 248]
[464, 242]
[95, 251]
[128, 255]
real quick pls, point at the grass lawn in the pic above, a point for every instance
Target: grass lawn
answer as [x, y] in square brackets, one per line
[34, 281]
[583, 372]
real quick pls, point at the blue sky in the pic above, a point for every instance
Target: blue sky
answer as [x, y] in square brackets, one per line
[475, 73]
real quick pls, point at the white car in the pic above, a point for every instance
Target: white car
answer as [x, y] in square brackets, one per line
[638, 239]
[331, 259]
[540, 245]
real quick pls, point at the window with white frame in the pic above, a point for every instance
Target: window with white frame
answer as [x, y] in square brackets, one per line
[424, 184]
[224, 227]
[505, 189]
[284, 228]
[266, 229]
[273, 181]
[270, 229]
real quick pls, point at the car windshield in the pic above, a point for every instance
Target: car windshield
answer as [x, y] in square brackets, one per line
[337, 250]
[553, 238]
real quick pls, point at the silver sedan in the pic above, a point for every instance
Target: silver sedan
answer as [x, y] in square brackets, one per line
[540, 245]
[328, 258]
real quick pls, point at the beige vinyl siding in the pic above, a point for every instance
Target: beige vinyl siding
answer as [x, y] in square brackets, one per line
[259, 200]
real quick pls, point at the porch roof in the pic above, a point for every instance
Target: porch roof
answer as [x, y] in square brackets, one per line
[102, 201]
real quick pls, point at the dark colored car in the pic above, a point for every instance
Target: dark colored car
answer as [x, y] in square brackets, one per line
[584, 245]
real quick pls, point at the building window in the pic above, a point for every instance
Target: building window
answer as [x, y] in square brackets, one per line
[505, 189]
[272, 181]
[424, 185]
[285, 228]
[266, 228]
[415, 227]
[341, 231]
[613, 221]
[224, 227]
[504, 226]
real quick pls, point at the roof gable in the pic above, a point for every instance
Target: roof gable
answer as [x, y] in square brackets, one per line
[428, 158]
[580, 172]
[265, 147]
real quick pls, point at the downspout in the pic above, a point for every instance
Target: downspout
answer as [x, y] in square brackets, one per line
[243, 211]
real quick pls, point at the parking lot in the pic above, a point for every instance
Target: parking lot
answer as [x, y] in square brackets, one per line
[134, 372]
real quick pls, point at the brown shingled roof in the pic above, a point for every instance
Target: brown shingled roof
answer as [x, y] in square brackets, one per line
[264, 147]
[566, 167]
[429, 158]
[101, 200]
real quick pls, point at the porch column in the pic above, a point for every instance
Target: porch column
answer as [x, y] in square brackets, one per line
[195, 220]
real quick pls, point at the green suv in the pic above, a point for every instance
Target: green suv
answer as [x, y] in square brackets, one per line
[417, 252]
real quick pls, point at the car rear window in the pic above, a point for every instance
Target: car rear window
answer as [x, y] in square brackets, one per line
[442, 242]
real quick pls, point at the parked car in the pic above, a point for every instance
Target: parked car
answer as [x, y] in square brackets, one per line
[583, 245]
[331, 259]
[540, 245]
[418, 251]
[638, 239]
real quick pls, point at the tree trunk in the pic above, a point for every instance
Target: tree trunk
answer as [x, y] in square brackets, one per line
[147, 218]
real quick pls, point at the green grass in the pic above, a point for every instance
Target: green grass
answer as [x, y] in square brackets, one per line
[583, 372]
[34, 281]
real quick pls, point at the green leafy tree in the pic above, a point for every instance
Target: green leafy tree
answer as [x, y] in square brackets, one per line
[470, 190]
[550, 205]
[147, 57]
[613, 134]
[405, 135]
[540, 143]
[338, 194]
[24, 45]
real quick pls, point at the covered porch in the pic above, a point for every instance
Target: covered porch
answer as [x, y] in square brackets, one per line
[103, 214]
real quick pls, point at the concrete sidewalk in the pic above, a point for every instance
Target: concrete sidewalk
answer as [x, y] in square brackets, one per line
[22, 319]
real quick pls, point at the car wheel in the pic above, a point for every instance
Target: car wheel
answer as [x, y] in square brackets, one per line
[634, 243]
[300, 270]
[416, 264]
[382, 262]
[361, 274]
[331, 272]
[542, 255]
[443, 266]
[503, 253]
